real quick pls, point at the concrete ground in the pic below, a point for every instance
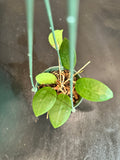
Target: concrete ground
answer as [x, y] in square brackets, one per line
[93, 132]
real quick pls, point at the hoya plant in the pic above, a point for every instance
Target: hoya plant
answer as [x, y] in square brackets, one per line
[53, 87]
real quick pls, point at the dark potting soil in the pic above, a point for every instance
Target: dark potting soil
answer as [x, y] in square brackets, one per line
[64, 87]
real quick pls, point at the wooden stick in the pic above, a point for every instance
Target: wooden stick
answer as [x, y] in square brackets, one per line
[47, 116]
[79, 71]
[81, 68]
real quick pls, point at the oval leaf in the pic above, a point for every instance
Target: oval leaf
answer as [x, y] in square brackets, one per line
[59, 38]
[64, 54]
[46, 78]
[61, 111]
[43, 100]
[93, 90]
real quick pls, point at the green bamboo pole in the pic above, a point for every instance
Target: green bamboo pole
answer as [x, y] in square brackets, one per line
[30, 13]
[49, 13]
[73, 9]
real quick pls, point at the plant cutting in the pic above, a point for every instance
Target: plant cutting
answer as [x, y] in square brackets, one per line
[53, 86]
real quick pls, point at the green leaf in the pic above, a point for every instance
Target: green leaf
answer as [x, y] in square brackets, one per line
[93, 90]
[59, 38]
[43, 100]
[64, 54]
[61, 111]
[46, 78]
